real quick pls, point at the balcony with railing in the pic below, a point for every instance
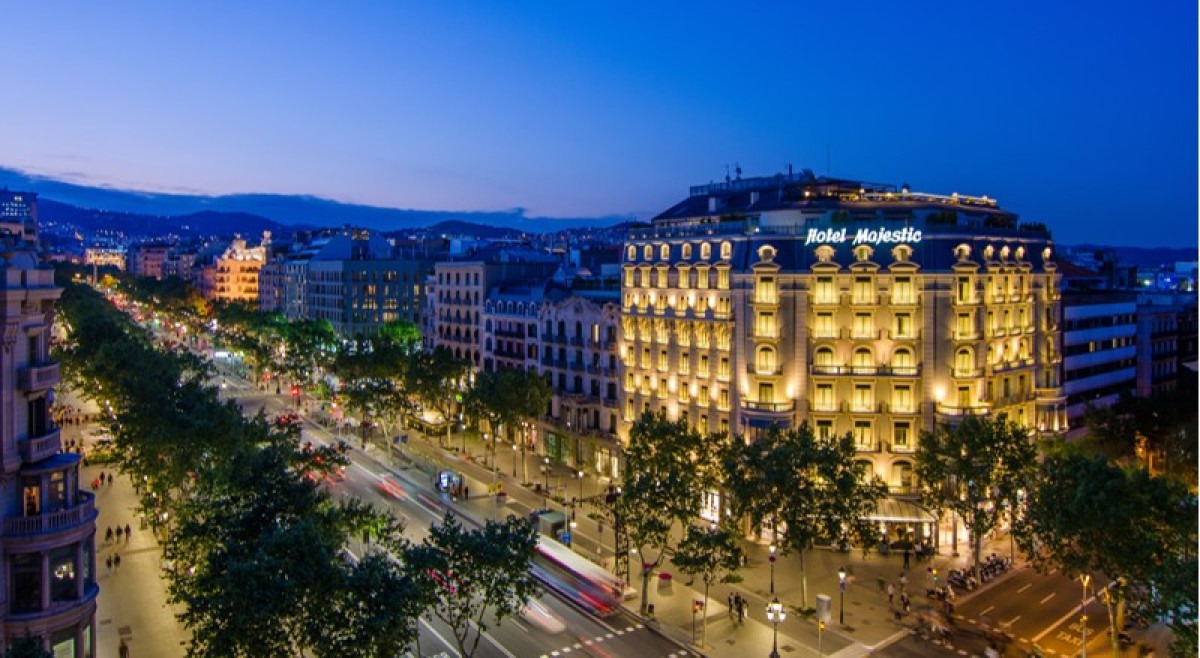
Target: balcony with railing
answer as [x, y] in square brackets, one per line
[787, 406]
[961, 411]
[35, 449]
[867, 446]
[966, 373]
[764, 369]
[84, 511]
[768, 297]
[905, 448]
[903, 490]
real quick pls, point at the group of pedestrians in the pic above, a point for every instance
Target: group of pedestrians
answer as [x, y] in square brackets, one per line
[100, 480]
[126, 531]
[737, 607]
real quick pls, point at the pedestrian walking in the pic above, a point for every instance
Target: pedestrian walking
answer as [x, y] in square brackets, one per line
[732, 609]
[108, 535]
[123, 650]
[903, 600]
[741, 609]
[108, 564]
[891, 590]
[110, 479]
[903, 582]
[119, 533]
[128, 533]
[117, 561]
[907, 554]
[466, 492]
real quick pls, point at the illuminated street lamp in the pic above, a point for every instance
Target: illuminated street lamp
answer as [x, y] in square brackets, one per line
[772, 558]
[579, 474]
[514, 461]
[775, 614]
[842, 596]
[1084, 579]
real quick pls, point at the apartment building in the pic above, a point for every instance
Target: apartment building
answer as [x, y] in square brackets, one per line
[49, 520]
[149, 260]
[1099, 349]
[1166, 340]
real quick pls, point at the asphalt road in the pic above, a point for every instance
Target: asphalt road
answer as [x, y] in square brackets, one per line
[420, 507]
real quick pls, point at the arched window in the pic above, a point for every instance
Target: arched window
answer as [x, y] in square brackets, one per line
[903, 358]
[902, 476]
[648, 252]
[705, 251]
[687, 251]
[726, 250]
[664, 252]
[631, 253]
[823, 357]
[863, 358]
[868, 468]
[765, 359]
[964, 360]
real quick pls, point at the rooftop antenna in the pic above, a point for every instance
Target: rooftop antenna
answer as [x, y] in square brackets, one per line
[737, 169]
[726, 174]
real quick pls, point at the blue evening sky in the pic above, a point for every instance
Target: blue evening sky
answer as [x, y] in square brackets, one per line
[1079, 114]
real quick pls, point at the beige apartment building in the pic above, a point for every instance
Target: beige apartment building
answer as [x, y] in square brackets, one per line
[854, 307]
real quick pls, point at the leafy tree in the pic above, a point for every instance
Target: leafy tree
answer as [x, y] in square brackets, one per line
[976, 469]
[506, 397]
[307, 347]
[714, 554]
[666, 474]
[401, 333]
[435, 377]
[1157, 431]
[470, 577]
[810, 489]
[27, 646]
[1086, 516]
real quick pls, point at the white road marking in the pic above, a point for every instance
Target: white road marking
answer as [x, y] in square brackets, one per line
[987, 609]
[629, 630]
[1070, 615]
[609, 636]
[439, 636]
[1024, 588]
[1010, 622]
[1048, 597]
[578, 646]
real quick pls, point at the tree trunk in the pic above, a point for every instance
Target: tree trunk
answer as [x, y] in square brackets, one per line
[803, 581]
[704, 617]
[976, 548]
[645, 588]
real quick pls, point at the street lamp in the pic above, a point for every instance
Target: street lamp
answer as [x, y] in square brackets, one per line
[772, 558]
[580, 476]
[514, 461]
[546, 473]
[775, 614]
[1084, 580]
[842, 596]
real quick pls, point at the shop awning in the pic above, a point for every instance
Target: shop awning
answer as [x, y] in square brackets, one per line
[894, 510]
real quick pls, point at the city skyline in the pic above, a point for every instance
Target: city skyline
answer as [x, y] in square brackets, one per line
[573, 112]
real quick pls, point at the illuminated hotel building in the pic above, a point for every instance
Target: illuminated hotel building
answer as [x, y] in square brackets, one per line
[854, 307]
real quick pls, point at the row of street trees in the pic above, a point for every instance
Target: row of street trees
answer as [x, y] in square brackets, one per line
[259, 553]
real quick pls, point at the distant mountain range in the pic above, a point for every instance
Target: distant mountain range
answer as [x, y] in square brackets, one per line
[282, 210]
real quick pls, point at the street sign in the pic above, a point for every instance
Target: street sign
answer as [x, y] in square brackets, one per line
[824, 608]
[697, 606]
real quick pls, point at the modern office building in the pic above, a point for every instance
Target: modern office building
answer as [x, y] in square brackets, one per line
[1099, 349]
[1166, 340]
[18, 215]
[48, 540]
[852, 306]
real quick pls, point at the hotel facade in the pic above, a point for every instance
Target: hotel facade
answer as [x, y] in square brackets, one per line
[857, 308]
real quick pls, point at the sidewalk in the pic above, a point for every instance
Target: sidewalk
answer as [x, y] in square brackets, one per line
[132, 604]
[869, 622]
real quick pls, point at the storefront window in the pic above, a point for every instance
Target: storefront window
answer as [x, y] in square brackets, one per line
[63, 574]
[26, 579]
[63, 643]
